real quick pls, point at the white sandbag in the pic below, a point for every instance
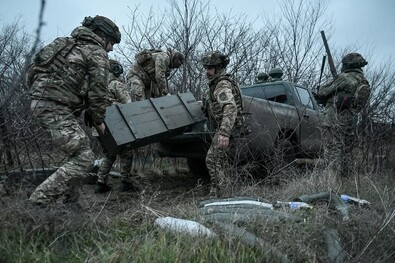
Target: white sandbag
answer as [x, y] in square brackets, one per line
[240, 202]
[178, 225]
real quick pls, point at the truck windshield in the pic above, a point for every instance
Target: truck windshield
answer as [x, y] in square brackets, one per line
[305, 97]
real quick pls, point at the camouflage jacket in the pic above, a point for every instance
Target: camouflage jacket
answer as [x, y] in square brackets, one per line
[347, 81]
[225, 103]
[118, 92]
[156, 70]
[89, 60]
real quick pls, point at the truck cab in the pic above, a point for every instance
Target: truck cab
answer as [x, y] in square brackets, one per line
[290, 107]
[281, 116]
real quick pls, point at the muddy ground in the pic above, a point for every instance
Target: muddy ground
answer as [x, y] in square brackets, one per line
[161, 189]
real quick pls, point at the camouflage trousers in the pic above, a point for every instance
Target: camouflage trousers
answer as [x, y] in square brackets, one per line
[138, 90]
[338, 151]
[217, 162]
[126, 161]
[67, 136]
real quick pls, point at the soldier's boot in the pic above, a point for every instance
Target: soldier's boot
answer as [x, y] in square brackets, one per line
[101, 188]
[126, 186]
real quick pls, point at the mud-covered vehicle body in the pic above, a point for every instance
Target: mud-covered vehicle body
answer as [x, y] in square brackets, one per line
[283, 117]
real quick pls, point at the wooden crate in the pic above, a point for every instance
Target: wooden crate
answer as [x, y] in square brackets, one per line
[149, 121]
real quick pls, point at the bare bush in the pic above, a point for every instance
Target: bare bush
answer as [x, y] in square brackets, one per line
[192, 28]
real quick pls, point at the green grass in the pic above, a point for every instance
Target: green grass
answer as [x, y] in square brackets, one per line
[124, 230]
[117, 242]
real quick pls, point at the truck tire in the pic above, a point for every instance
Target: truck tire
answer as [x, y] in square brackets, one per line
[197, 166]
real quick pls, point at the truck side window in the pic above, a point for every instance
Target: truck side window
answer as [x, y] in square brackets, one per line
[275, 93]
[305, 98]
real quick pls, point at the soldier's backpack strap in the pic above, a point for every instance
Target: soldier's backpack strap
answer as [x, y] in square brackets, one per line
[361, 96]
[60, 46]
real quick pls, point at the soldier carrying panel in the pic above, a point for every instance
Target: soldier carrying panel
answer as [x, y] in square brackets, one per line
[149, 121]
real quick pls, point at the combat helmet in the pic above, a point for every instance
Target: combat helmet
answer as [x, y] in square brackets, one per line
[262, 77]
[353, 60]
[105, 25]
[116, 68]
[215, 59]
[276, 73]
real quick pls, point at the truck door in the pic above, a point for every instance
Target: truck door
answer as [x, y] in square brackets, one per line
[310, 128]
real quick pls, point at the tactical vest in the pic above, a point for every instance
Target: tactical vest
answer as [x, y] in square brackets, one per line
[216, 110]
[52, 59]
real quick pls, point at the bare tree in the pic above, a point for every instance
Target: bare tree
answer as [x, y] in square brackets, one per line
[193, 28]
[376, 122]
[15, 57]
[143, 32]
[12, 53]
[296, 46]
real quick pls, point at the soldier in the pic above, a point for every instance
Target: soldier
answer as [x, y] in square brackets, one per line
[118, 93]
[344, 98]
[58, 97]
[262, 77]
[275, 74]
[224, 104]
[148, 76]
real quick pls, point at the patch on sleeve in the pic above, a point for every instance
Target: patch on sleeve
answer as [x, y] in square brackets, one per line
[223, 97]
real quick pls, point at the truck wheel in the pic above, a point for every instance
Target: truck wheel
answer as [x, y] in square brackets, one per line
[198, 167]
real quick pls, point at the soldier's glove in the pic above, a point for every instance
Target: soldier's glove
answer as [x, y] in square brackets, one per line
[88, 119]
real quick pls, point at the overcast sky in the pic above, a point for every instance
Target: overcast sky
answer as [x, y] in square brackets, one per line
[367, 23]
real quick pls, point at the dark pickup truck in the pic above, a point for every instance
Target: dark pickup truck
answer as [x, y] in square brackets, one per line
[283, 118]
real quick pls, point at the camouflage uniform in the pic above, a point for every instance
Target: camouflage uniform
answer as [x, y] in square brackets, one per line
[340, 124]
[118, 94]
[148, 78]
[58, 99]
[225, 106]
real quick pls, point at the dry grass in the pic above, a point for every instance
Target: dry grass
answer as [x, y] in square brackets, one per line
[119, 227]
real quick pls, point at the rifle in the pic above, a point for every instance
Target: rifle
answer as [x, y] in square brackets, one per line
[328, 52]
[322, 71]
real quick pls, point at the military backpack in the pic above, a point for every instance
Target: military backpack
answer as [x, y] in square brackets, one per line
[44, 60]
[145, 56]
[356, 101]
[61, 45]
[361, 96]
